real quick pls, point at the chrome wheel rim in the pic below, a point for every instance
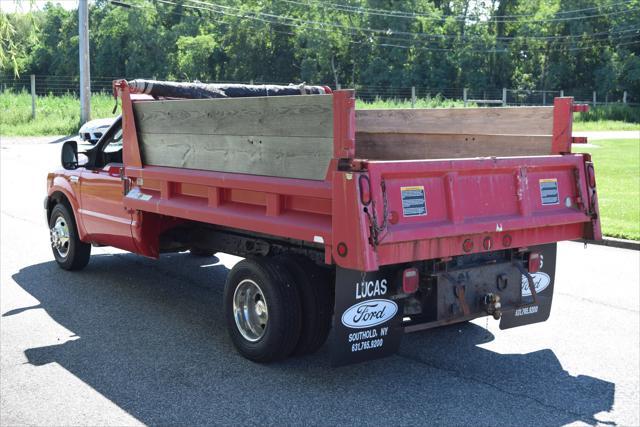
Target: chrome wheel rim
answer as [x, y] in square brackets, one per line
[250, 310]
[60, 236]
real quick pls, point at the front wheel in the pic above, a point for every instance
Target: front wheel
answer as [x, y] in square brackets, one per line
[70, 253]
[262, 310]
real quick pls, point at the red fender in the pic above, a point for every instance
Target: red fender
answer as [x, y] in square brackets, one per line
[61, 184]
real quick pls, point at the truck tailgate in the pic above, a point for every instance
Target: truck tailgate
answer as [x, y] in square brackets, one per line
[439, 208]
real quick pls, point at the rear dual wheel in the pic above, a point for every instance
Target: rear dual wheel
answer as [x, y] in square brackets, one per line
[314, 284]
[273, 310]
[262, 309]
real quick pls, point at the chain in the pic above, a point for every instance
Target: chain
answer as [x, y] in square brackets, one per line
[486, 327]
[373, 216]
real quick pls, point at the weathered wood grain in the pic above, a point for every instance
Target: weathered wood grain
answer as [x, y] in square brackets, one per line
[408, 146]
[304, 116]
[286, 136]
[470, 121]
[282, 156]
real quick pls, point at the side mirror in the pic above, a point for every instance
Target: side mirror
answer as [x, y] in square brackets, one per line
[70, 155]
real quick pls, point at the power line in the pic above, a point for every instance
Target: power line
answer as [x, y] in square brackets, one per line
[361, 29]
[388, 41]
[433, 16]
[379, 33]
[266, 17]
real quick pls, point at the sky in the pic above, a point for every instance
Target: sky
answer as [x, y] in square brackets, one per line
[11, 6]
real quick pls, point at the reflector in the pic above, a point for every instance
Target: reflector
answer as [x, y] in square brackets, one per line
[535, 262]
[410, 280]
[487, 243]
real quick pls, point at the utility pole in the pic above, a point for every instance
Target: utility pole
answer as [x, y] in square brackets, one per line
[85, 77]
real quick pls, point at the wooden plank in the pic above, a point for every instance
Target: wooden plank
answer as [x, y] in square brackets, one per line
[499, 121]
[411, 146]
[281, 156]
[304, 115]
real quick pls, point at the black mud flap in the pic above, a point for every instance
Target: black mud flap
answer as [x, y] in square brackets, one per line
[530, 311]
[367, 320]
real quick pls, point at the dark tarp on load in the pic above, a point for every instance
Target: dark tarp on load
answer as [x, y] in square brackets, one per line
[215, 90]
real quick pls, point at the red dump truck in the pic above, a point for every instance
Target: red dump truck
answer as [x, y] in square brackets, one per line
[355, 225]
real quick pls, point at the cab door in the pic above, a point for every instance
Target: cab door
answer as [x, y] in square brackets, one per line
[101, 192]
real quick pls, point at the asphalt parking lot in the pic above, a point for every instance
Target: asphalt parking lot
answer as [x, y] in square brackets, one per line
[135, 341]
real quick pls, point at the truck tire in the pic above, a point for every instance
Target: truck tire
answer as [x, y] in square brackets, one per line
[70, 253]
[262, 310]
[314, 284]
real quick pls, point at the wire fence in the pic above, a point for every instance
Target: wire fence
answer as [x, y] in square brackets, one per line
[40, 85]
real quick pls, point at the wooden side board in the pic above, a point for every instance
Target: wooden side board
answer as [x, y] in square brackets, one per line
[442, 133]
[460, 121]
[283, 156]
[303, 115]
[284, 136]
[411, 146]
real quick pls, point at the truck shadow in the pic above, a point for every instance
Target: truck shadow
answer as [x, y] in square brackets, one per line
[150, 337]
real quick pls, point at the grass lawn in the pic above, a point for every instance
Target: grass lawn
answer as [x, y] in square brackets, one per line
[605, 125]
[55, 115]
[617, 165]
[432, 102]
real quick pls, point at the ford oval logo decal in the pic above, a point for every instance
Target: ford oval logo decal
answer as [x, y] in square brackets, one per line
[369, 313]
[540, 280]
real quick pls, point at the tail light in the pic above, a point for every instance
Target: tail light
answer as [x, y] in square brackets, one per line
[410, 280]
[535, 262]
[467, 245]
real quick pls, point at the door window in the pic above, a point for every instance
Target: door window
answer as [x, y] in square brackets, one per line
[110, 150]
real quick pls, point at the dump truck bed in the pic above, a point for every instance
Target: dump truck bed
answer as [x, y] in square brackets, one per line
[364, 213]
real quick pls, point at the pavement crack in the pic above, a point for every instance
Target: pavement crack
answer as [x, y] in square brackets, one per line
[585, 418]
[19, 218]
[603, 304]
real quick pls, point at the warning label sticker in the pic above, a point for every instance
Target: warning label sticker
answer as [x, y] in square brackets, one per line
[413, 201]
[549, 191]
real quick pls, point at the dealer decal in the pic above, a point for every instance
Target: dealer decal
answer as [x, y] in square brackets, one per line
[369, 313]
[524, 311]
[549, 191]
[414, 202]
[371, 288]
[541, 282]
[367, 321]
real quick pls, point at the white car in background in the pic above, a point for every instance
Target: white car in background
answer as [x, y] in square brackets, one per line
[93, 130]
